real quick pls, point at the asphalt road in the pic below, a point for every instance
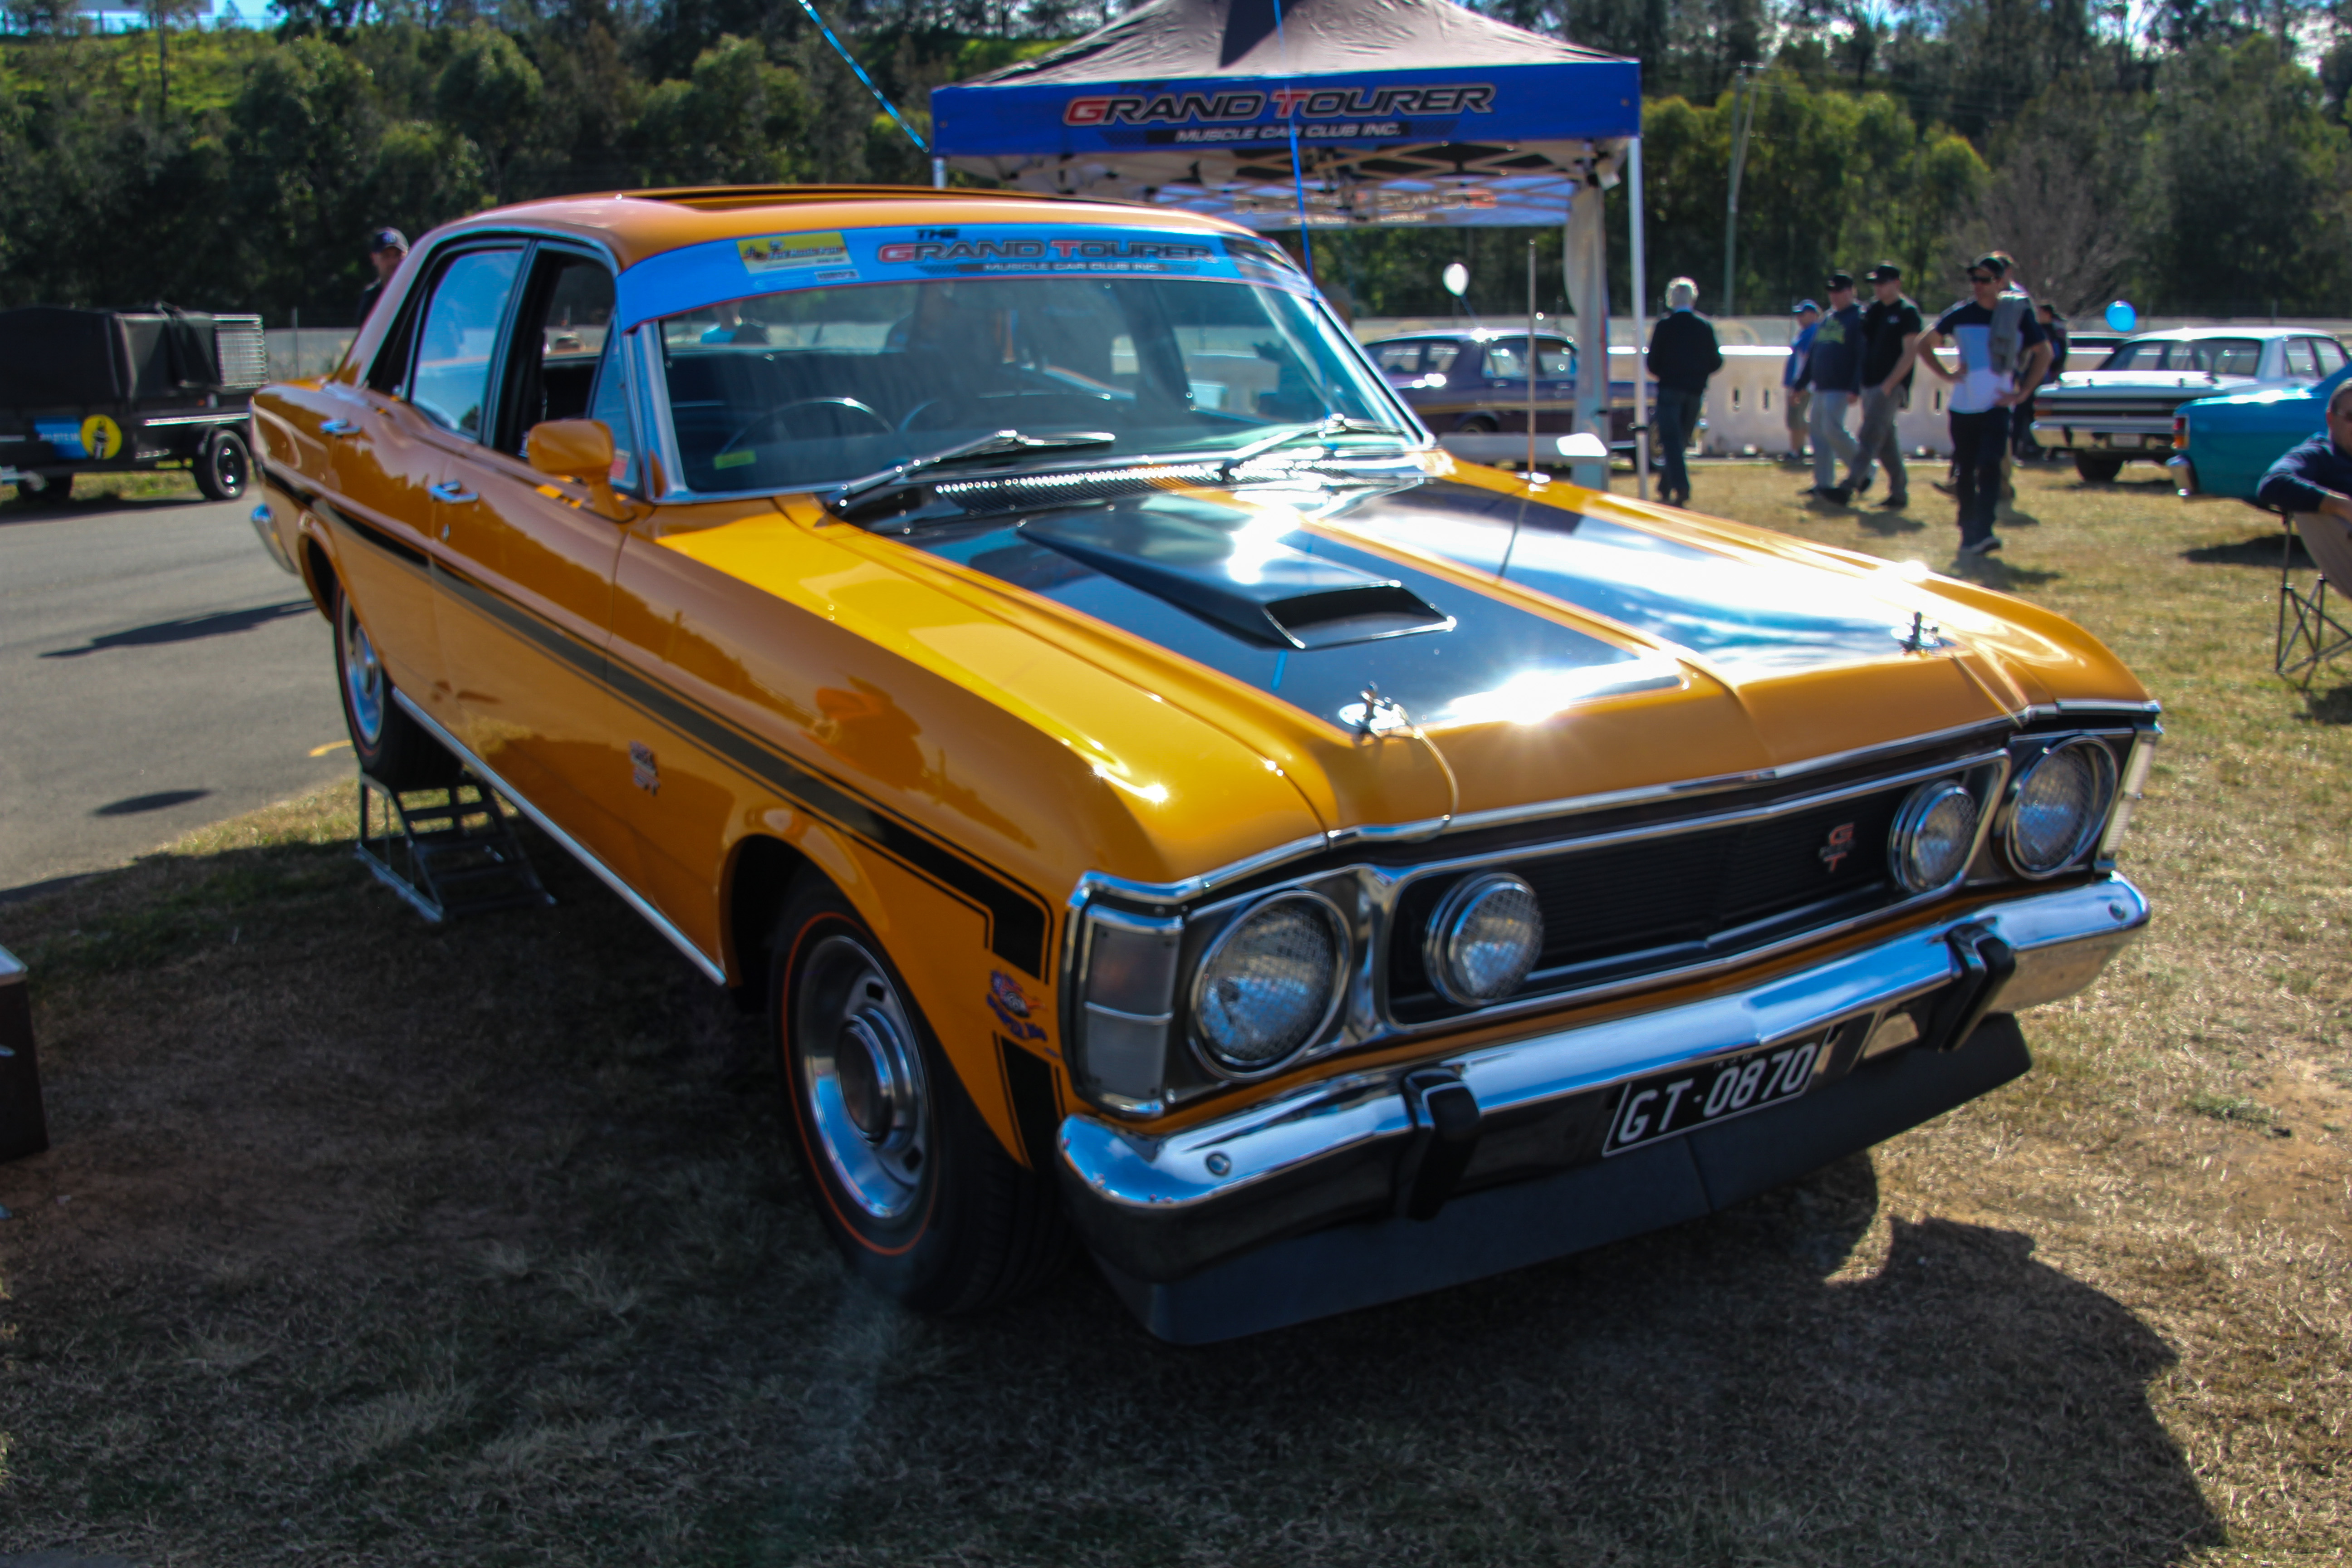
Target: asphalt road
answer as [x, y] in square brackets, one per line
[158, 673]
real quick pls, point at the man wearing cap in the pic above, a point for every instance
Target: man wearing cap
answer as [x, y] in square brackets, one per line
[2003, 353]
[1796, 391]
[387, 247]
[1835, 373]
[1889, 328]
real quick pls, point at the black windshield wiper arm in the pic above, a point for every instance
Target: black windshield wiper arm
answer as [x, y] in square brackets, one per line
[1001, 444]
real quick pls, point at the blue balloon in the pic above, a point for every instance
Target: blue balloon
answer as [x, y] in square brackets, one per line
[2121, 317]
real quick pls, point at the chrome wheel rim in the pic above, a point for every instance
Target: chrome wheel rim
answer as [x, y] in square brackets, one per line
[363, 683]
[862, 1084]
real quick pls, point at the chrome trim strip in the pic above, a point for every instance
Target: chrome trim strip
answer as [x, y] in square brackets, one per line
[2059, 938]
[12, 968]
[224, 416]
[713, 972]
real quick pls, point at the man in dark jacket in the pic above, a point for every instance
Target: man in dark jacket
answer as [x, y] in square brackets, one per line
[1683, 354]
[1835, 373]
[2316, 477]
[387, 248]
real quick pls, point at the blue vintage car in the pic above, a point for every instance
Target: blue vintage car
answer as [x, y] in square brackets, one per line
[2222, 446]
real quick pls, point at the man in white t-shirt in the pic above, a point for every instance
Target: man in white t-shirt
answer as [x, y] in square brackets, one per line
[2003, 353]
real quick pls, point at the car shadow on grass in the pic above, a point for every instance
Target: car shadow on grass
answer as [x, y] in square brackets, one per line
[484, 1243]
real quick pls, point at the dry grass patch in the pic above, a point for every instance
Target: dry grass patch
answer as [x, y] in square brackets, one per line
[366, 1243]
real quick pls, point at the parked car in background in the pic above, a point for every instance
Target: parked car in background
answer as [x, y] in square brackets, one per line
[1216, 823]
[2122, 412]
[2086, 351]
[1475, 382]
[2222, 447]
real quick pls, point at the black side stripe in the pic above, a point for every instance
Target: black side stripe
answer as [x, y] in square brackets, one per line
[374, 535]
[1036, 1109]
[285, 479]
[1016, 917]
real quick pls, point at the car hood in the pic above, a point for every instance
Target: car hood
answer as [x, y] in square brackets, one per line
[1443, 646]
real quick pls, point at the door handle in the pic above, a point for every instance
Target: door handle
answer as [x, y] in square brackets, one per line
[453, 493]
[339, 428]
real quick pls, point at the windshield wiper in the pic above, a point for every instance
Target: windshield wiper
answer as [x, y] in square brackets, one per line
[1001, 444]
[1330, 424]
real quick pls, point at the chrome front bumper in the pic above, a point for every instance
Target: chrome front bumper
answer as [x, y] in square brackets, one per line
[1160, 1208]
[2107, 436]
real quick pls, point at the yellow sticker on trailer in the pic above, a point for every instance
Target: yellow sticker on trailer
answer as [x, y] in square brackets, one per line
[101, 436]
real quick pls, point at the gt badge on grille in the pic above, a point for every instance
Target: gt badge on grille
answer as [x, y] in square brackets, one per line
[1840, 845]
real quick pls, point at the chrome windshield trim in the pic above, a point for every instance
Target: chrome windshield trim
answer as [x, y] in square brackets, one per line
[2060, 938]
[677, 938]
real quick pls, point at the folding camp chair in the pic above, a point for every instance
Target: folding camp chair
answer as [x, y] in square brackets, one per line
[2309, 635]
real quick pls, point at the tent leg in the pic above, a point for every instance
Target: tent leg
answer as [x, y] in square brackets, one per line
[940, 173]
[1584, 259]
[1641, 322]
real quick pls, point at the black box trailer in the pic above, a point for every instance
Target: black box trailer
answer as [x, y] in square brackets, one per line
[110, 392]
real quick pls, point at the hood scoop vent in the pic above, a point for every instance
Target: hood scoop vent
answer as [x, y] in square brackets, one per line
[1257, 588]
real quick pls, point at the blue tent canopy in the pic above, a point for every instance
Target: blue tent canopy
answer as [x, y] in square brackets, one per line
[1403, 111]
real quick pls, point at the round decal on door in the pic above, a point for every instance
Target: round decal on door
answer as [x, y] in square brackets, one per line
[101, 436]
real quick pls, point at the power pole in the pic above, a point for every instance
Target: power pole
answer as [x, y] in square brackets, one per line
[1743, 117]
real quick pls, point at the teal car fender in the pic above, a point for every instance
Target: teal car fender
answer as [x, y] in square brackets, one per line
[2232, 440]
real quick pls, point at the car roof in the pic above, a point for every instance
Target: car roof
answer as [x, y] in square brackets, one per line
[637, 224]
[2194, 334]
[1472, 334]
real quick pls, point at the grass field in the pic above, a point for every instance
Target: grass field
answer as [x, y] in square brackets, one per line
[363, 1243]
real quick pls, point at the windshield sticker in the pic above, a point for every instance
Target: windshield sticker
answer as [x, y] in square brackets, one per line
[780, 252]
[698, 276]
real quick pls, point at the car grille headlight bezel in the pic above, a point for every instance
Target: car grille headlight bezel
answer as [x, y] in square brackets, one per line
[1205, 1010]
[2100, 761]
[1915, 821]
[1441, 954]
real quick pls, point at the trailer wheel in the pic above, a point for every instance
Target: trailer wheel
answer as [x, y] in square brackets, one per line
[54, 487]
[224, 468]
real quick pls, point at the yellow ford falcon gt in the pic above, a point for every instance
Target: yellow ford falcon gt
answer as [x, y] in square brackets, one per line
[1162, 803]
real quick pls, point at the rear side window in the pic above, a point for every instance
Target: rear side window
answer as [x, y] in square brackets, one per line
[2301, 361]
[1441, 357]
[2331, 354]
[458, 337]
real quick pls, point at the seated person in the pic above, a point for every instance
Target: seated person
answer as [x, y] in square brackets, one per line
[2316, 477]
[733, 329]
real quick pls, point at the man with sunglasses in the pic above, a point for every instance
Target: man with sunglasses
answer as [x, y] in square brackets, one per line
[2003, 352]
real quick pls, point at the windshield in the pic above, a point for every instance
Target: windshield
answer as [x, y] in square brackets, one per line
[814, 387]
[2220, 356]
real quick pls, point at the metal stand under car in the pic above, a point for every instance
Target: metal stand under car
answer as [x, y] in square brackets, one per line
[449, 851]
[24, 1128]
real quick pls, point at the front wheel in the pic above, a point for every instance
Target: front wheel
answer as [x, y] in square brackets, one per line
[224, 468]
[393, 748]
[2097, 470]
[923, 1201]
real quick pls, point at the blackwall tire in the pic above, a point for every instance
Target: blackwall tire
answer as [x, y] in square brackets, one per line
[391, 747]
[2097, 470]
[923, 1201]
[224, 468]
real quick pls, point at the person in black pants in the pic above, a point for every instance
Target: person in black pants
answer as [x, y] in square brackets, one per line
[2003, 352]
[1683, 354]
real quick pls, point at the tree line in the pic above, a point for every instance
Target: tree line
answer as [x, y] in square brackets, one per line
[2201, 165]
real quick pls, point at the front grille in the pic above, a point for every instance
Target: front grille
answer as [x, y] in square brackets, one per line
[1620, 910]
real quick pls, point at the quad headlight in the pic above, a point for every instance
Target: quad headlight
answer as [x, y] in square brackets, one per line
[1483, 939]
[2057, 806]
[1268, 984]
[1933, 835]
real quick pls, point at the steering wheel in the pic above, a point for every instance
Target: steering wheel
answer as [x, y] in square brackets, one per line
[760, 426]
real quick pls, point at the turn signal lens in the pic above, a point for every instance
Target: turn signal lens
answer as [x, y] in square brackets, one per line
[2058, 805]
[1270, 983]
[1933, 835]
[1482, 940]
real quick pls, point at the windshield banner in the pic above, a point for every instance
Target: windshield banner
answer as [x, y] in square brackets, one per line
[708, 274]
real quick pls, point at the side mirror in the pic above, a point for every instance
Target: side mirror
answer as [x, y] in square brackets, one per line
[579, 449]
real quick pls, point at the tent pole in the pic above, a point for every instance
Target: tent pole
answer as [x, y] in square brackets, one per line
[1528, 364]
[1641, 322]
[938, 173]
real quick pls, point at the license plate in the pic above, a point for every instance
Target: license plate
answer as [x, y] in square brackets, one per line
[1673, 1103]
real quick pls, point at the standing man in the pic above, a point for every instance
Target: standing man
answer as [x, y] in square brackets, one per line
[387, 247]
[1889, 328]
[1683, 354]
[1835, 372]
[1796, 390]
[2053, 327]
[2002, 356]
